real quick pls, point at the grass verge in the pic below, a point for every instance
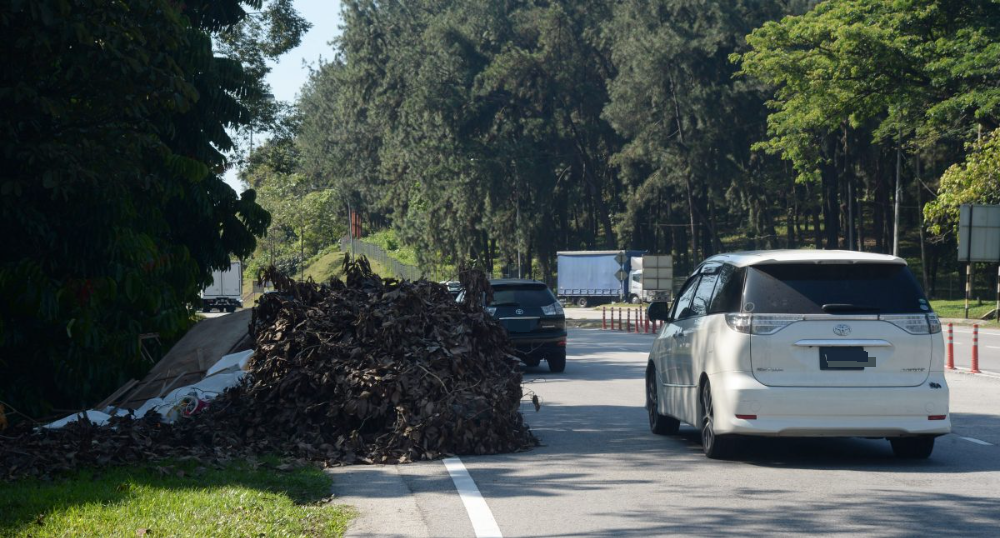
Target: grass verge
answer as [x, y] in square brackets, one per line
[329, 264]
[178, 499]
[956, 309]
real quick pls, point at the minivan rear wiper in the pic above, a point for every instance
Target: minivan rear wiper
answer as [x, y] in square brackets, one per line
[845, 307]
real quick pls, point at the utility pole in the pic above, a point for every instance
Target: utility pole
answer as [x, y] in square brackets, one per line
[850, 214]
[899, 193]
[517, 202]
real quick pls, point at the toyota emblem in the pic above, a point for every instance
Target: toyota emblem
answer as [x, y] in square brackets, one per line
[520, 311]
[842, 330]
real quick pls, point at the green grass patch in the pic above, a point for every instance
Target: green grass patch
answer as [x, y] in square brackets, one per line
[174, 500]
[620, 305]
[956, 308]
[326, 265]
[392, 246]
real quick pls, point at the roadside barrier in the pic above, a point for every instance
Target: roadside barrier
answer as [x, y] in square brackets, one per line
[950, 364]
[638, 324]
[975, 350]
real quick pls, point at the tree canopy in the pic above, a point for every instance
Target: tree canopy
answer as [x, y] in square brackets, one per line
[114, 140]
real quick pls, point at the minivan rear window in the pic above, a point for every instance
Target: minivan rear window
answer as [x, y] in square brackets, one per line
[529, 295]
[805, 288]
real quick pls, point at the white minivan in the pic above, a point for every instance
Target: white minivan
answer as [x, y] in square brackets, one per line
[799, 343]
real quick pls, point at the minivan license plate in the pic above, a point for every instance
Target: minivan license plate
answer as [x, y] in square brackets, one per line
[844, 358]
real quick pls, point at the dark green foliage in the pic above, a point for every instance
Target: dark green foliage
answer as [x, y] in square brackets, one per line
[480, 130]
[115, 116]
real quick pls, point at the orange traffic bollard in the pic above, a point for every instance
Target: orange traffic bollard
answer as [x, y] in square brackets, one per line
[620, 319]
[628, 320]
[604, 318]
[975, 350]
[950, 364]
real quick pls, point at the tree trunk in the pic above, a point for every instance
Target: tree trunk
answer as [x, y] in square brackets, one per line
[816, 229]
[920, 224]
[694, 231]
[831, 206]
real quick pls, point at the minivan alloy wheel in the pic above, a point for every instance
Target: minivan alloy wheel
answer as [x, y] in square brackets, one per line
[715, 446]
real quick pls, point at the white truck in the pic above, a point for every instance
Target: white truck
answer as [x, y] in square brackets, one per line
[651, 279]
[226, 290]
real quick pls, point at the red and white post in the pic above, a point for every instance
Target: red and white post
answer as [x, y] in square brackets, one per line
[950, 357]
[975, 350]
[620, 327]
[604, 318]
[628, 320]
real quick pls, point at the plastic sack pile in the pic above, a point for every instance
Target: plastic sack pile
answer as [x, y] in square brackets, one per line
[374, 370]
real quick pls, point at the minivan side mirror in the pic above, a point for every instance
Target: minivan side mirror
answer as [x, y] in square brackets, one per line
[658, 311]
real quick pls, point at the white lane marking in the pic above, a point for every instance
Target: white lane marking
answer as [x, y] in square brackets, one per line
[977, 441]
[993, 347]
[479, 512]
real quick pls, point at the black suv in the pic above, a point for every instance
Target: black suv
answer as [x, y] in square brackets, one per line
[534, 320]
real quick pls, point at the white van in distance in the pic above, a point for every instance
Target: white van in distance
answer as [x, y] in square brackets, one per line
[800, 343]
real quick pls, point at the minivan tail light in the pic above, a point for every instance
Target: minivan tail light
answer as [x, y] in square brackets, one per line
[739, 322]
[771, 323]
[760, 323]
[915, 323]
[934, 323]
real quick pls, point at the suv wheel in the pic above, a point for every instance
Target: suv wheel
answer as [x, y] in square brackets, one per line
[658, 424]
[716, 447]
[557, 361]
[912, 448]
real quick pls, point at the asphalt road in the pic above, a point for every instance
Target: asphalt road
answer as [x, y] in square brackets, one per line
[600, 472]
[989, 348]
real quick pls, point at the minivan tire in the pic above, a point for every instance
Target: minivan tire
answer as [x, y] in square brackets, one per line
[658, 424]
[716, 447]
[912, 448]
[557, 361]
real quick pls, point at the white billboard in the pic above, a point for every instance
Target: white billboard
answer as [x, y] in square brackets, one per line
[979, 233]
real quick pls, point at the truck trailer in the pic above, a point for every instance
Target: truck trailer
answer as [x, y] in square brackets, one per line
[225, 292]
[587, 277]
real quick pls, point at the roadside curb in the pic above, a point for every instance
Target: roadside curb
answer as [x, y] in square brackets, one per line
[970, 322]
[384, 506]
[583, 323]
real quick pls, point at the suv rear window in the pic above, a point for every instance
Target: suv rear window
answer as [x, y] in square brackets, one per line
[522, 295]
[804, 288]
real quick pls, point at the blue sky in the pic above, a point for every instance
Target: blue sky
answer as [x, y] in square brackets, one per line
[289, 74]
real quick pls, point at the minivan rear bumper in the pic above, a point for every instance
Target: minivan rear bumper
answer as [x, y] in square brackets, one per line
[828, 411]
